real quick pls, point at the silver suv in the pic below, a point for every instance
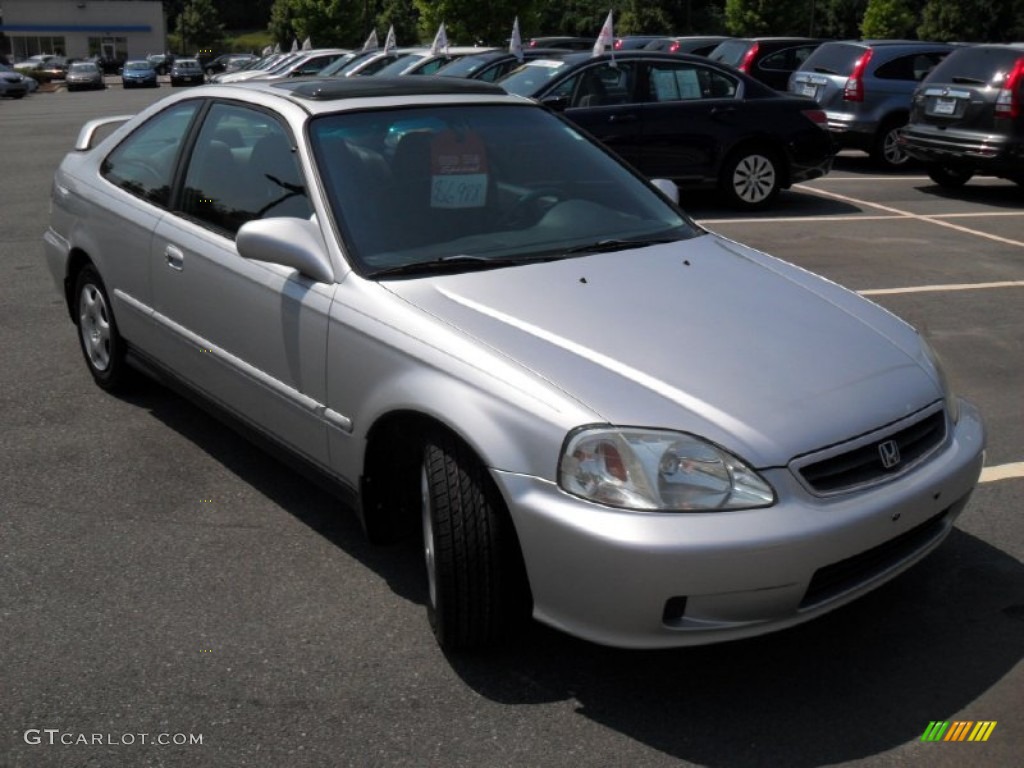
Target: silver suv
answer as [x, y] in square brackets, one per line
[865, 88]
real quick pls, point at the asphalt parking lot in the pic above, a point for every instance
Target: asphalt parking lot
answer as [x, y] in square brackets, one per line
[161, 576]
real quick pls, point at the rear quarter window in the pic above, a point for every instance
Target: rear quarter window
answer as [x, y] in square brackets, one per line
[913, 67]
[834, 59]
[977, 64]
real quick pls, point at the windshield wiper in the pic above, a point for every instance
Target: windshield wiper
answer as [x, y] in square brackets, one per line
[614, 244]
[453, 263]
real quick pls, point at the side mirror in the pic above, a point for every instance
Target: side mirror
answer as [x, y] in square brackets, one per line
[290, 242]
[667, 188]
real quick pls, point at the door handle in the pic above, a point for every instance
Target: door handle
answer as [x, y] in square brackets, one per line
[175, 258]
[629, 117]
[723, 111]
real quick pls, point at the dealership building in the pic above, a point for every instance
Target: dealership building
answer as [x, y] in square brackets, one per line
[113, 29]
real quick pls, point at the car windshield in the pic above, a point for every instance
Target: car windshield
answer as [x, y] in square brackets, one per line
[467, 65]
[529, 78]
[730, 52]
[475, 187]
[342, 63]
[399, 65]
[143, 65]
[84, 67]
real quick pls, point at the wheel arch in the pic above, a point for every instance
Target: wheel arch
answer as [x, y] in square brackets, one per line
[389, 491]
[78, 260]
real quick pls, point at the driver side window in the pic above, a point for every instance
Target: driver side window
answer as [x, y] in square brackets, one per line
[244, 166]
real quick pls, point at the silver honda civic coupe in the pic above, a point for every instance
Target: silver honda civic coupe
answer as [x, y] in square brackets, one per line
[487, 331]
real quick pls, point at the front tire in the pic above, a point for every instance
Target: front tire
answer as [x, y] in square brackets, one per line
[751, 178]
[101, 343]
[948, 177]
[475, 574]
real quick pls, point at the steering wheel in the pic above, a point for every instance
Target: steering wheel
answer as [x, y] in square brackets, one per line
[529, 208]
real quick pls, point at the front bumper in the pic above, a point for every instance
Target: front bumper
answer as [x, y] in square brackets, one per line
[656, 580]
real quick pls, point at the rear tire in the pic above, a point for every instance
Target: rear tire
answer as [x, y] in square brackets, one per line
[887, 151]
[101, 343]
[751, 178]
[947, 177]
[475, 576]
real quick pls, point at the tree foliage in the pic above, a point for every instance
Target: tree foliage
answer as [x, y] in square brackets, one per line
[973, 20]
[327, 23]
[348, 22]
[199, 26]
[767, 17]
[894, 19]
[470, 21]
[839, 19]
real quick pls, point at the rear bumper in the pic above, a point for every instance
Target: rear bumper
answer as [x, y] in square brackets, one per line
[982, 153]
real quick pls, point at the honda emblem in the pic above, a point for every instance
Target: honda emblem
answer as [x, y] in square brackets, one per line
[889, 452]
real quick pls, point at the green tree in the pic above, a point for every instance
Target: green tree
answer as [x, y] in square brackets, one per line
[972, 20]
[327, 23]
[568, 17]
[889, 19]
[639, 17]
[839, 19]
[471, 21]
[403, 16]
[199, 26]
[767, 17]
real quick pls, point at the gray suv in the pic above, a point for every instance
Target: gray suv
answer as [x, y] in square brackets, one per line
[865, 88]
[968, 116]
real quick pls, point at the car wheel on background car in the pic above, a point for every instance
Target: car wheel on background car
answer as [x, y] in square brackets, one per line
[751, 178]
[948, 177]
[102, 345]
[475, 575]
[887, 151]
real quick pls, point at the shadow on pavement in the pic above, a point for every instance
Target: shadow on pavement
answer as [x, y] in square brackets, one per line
[847, 686]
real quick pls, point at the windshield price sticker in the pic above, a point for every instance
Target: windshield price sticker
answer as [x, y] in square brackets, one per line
[458, 171]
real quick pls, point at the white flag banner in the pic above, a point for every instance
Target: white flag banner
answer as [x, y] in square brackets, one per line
[371, 42]
[515, 46]
[389, 42]
[607, 37]
[440, 42]
[307, 44]
[295, 44]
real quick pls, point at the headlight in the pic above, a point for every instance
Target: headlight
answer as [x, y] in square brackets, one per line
[952, 402]
[658, 470]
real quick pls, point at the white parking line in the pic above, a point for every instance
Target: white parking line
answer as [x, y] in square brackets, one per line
[907, 214]
[940, 288]
[1002, 472]
[831, 177]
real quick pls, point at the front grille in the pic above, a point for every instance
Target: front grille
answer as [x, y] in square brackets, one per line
[866, 463]
[833, 580]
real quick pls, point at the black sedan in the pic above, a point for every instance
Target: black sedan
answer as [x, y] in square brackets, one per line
[685, 118]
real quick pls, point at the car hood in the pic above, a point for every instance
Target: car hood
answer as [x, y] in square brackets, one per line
[703, 335]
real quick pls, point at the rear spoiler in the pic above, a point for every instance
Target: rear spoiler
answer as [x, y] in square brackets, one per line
[88, 131]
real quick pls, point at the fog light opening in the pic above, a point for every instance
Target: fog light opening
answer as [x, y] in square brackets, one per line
[675, 608]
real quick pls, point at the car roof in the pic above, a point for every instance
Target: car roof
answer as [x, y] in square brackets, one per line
[320, 95]
[578, 57]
